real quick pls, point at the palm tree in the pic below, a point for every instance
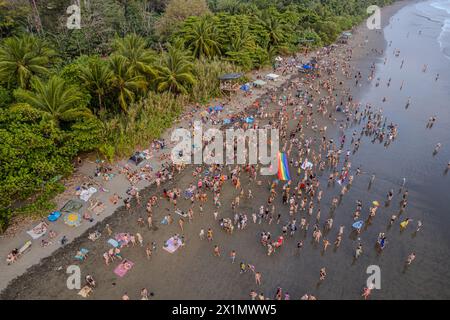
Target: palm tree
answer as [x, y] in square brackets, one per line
[201, 37]
[274, 27]
[175, 71]
[97, 78]
[134, 49]
[125, 81]
[22, 58]
[55, 99]
[241, 48]
[242, 40]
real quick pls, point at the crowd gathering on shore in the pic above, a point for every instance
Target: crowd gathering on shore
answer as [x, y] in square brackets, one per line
[311, 155]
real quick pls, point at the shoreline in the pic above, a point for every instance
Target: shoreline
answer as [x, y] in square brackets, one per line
[116, 211]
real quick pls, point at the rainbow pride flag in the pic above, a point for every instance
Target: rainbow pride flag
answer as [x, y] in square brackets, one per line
[283, 168]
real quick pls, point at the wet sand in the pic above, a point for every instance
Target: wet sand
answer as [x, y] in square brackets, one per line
[194, 273]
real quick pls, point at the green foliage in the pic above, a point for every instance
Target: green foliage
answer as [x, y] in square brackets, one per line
[135, 50]
[32, 153]
[144, 121]
[23, 57]
[5, 97]
[207, 72]
[125, 82]
[96, 77]
[176, 12]
[13, 17]
[175, 71]
[201, 36]
[56, 100]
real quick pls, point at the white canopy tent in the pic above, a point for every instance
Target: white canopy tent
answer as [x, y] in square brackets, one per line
[272, 76]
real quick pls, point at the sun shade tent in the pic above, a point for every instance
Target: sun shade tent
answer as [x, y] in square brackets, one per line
[228, 81]
[272, 76]
[346, 34]
[137, 157]
[259, 83]
[230, 76]
[52, 217]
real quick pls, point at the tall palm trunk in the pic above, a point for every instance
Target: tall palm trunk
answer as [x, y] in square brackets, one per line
[36, 16]
[100, 103]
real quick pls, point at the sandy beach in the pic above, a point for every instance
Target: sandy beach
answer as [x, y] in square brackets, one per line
[193, 272]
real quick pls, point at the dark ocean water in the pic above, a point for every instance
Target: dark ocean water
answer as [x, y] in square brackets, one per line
[419, 31]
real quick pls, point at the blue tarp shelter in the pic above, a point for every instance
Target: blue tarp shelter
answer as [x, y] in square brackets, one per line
[245, 87]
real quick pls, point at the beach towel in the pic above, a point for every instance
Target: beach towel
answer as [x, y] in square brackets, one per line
[113, 242]
[181, 213]
[122, 238]
[38, 231]
[85, 291]
[72, 219]
[123, 268]
[86, 194]
[172, 245]
[81, 255]
[25, 247]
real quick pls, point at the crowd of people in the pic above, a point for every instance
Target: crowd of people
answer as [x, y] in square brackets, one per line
[302, 111]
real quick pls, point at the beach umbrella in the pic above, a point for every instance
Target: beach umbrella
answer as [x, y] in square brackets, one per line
[375, 203]
[72, 219]
[358, 224]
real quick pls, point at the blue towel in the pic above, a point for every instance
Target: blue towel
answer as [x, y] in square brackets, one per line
[113, 242]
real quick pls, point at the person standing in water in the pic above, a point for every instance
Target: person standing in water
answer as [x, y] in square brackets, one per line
[322, 274]
[410, 258]
[358, 251]
[437, 148]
